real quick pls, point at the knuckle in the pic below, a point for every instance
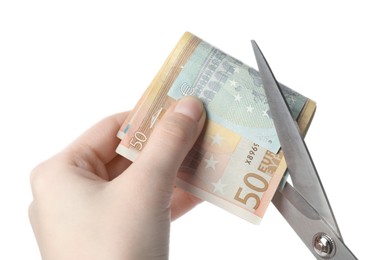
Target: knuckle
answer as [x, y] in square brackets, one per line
[38, 179]
[31, 212]
[178, 129]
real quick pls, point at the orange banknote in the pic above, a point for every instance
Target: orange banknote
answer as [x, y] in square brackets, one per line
[236, 163]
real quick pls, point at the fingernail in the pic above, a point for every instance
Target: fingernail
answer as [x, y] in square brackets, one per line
[191, 107]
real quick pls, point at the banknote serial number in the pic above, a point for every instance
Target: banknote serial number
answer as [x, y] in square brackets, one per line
[251, 154]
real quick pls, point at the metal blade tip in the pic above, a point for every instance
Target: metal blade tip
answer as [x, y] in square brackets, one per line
[254, 44]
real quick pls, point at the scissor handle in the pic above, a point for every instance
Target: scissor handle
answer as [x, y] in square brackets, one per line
[312, 229]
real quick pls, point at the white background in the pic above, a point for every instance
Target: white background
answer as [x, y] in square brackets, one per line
[66, 64]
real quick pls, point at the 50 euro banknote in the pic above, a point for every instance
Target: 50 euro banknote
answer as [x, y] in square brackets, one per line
[236, 163]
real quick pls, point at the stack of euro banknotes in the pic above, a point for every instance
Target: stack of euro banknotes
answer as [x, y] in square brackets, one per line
[237, 163]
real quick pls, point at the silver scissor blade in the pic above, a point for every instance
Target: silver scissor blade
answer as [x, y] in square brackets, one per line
[299, 162]
[307, 223]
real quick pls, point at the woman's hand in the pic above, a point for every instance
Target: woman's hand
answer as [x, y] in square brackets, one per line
[90, 203]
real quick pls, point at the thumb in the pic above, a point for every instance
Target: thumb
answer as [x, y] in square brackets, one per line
[169, 143]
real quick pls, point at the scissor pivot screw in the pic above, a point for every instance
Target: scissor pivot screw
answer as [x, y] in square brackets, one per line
[324, 245]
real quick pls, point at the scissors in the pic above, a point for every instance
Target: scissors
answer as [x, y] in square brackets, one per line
[304, 205]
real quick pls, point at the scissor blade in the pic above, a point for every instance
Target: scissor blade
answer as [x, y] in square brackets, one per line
[299, 162]
[307, 223]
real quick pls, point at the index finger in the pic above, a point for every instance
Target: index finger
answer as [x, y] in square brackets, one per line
[101, 138]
